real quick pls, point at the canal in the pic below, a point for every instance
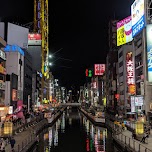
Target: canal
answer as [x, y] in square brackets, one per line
[73, 132]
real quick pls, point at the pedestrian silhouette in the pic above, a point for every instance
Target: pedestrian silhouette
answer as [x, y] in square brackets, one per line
[12, 142]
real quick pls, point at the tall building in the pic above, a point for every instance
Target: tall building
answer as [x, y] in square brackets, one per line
[111, 81]
[123, 79]
[15, 66]
[27, 91]
[2, 71]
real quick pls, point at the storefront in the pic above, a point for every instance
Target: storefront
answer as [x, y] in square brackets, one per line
[137, 106]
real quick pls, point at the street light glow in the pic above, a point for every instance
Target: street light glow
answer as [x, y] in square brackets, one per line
[50, 56]
[50, 64]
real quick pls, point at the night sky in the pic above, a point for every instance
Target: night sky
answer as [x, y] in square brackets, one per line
[80, 27]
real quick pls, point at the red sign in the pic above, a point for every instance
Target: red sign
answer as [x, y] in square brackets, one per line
[117, 96]
[14, 95]
[99, 69]
[130, 69]
[34, 36]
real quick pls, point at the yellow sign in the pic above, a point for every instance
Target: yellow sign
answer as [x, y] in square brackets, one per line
[2, 69]
[8, 128]
[124, 31]
[51, 98]
[132, 89]
[139, 127]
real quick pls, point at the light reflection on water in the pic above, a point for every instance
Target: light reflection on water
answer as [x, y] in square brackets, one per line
[73, 132]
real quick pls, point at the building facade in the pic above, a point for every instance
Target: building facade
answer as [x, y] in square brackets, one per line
[27, 91]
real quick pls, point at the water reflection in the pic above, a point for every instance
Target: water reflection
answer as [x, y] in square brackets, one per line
[73, 132]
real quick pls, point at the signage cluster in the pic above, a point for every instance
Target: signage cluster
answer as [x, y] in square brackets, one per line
[131, 26]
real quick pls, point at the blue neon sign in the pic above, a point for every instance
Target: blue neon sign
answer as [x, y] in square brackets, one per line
[13, 48]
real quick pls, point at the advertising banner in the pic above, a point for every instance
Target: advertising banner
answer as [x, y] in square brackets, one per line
[34, 39]
[130, 69]
[138, 17]
[149, 51]
[17, 35]
[99, 69]
[124, 31]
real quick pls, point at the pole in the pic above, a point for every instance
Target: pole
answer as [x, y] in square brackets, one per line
[28, 103]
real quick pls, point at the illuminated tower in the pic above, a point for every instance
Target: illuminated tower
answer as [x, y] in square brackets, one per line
[41, 26]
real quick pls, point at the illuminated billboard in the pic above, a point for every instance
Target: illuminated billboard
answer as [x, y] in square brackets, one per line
[130, 69]
[124, 31]
[17, 35]
[138, 17]
[149, 51]
[34, 39]
[99, 69]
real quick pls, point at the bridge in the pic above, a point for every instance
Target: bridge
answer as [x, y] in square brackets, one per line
[70, 104]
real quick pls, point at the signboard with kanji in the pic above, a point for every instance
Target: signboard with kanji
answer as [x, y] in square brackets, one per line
[99, 69]
[130, 69]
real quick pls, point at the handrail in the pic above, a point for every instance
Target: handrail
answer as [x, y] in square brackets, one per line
[32, 138]
[135, 145]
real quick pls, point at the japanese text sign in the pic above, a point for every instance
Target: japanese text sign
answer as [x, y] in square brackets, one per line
[130, 69]
[99, 69]
[149, 51]
[124, 31]
[138, 16]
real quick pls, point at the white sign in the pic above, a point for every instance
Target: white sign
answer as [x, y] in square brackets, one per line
[138, 17]
[2, 85]
[10, 110]
[2, 55]
[132, 98]
[139, 101]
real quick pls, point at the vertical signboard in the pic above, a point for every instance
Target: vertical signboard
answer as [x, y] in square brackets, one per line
[138, 17]
[149, 51]
[99, 69]
[132, 98]
[124, 31]
[130, 69]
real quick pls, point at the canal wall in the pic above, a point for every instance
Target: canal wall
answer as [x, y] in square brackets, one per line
[121, 145]
[92, 118]
[55, 117]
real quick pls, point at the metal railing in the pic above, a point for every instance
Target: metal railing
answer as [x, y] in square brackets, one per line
[131, 143]
[26, 143]
[127, 141]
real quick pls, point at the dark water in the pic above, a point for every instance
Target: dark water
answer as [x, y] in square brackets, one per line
[73, 132]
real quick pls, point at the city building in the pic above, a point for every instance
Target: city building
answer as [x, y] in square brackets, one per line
[3, 106]
[35, 50]
[27, 89]
[36, 88]
[15, 74]
[111, 81]
[124, 80]
[2, 71]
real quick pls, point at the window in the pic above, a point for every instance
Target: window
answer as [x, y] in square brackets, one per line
[121, 64]
[120, 54]
[121, 74]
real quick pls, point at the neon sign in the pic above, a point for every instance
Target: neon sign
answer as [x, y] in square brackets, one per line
[130, 69]
[13, 48]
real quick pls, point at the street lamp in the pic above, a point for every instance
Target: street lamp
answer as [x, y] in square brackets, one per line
[50, 56]
[50, 64]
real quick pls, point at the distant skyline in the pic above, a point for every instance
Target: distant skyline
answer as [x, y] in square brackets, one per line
[79, 27]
